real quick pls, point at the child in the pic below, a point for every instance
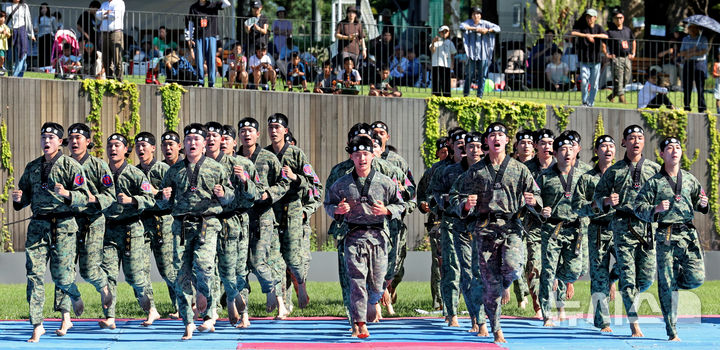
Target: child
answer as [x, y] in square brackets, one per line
[5, 33]
[67, 65]
[556, 73]
[261, 66]
[384, 88]
[715, 72]
[92, 62]
[296, 73]
[651, 95]
[325, 83]
[238, 67]
[348, 78]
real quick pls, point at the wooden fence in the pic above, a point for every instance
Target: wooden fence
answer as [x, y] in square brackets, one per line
[319, 122]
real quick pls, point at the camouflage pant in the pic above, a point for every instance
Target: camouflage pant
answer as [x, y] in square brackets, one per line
[294, 246]
[366, 261]
[520, 286]
[601, 276]
[242, 267]
[584, 224]
[500, 260]
[622, 74]
[560, 260]
[264, 253]
[125, 244]
[159, 232]
[397, 251]
[533, 243]
[449, 270]
[434, 236]
[470, 285]
[91, 231]
[195, 262]
[680, 266]
[227, 256]
[636, 263]
[38, 250]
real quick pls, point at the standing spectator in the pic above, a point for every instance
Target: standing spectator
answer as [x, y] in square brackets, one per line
[4, 35]
[620, 48]
[87, 25]
[325, 82]
[111, 16]
[45, 27]
[20, 22]
[282, 29]
[538, 58]
[351, 38]
[296, 73]
[588, 48]
[58, 20]
[651, 95]
[382, 48]
[667, 53]
[160, 43]
[92, 62]
[479, 41]
[256, 27]
[556, 73]
[202, 25]
[261, 67]
[443, 51]
[237, 64]
[694, 50]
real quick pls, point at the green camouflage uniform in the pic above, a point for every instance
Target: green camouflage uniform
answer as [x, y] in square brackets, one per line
[498, 230]
[679, 253]
[51, 232]
[91, 225]
[366, 242]
[636, 260]
[195, 227]
[125, 236]
[424, 194]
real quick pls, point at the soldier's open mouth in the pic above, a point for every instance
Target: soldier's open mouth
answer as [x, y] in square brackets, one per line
[46, 147]
[141, 154]
[74, 147]
[497, 145]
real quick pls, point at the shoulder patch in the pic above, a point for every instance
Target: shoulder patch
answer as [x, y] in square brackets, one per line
[407, 182]
[247, 175]
[79, 179]
[316, 179]
[146, 187]
[307, 169]
[107, 180]
[284, 175]
[257, 178]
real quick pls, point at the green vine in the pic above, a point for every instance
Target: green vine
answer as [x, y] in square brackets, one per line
[171, 97]
[96, 90]
[129, 97]
[6, 164]
[562, 115]
[477, 114]
[670, 123]
[714, 170]
[599, 128]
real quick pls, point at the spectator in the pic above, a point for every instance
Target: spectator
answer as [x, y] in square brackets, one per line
[348, 79]
[92, 62]
[111, 16]
[667, 53]
[87, 25]
[237, 65]
[412, 74]
[58, 20]
[382, 49]
[557, 73]
[256, 26]
[423, 80]
[45, 27]
[620, 48]
[442, 50]
[202, 26]
[588, 48]
[261, 67]
[296, 73]
[285, 55]
[398, 65]
[350, 37]
[179, 67]
[479, 41]
[651, 95]
[716, 75]
[384, 88]
[325, 82]
[67, 65]
[160, 44]
[538, 58]
[282, 29]
[4, 35]
[694, 50]
[20, 22]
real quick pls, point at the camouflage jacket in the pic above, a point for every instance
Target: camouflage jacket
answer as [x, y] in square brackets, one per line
[444, 179]
[269, 177]
[583, 197]
[201, 201]
[618, 178]
[132, 182]
[682, 208]
[100, 184]
[555, 196]
[155, 172]
[245, 193]
[534, 166]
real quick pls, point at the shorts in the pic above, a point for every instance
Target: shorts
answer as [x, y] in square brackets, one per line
[716, 91]
[296, 80]
[2, 53]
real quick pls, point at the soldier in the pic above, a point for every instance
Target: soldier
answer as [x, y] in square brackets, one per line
[157, 222]
[171, 147]
[195, 189]
[90, 221]
[635, 249]
[601, 247]
[494, 190]
[265, 257]
[561, 241]
[364, 200]
[54, 187]
[524, 151]
[294, 245]
[670, 198]
[124, 232]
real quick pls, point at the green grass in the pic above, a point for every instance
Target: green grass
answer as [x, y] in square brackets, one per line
[325, 301]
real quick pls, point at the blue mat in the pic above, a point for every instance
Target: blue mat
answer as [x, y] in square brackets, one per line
[520, 333]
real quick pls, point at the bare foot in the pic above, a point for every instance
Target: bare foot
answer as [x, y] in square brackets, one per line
[523, 303]
[105, 297]
[385, 300]
[390, 308]
[675, 338]
[270, 302]
[282, 310]
[207, 325]
[570, 291]
[303, 297]
[499, 338]
[635, 329]
[108, 323]
[200, 304]
[362, 330]
[372, 313]
[240, 303]
[78, 307]
[174, 315]
[538, 313]
[483, 332]
[475, 327]
[65, 325]
[555, 284]
[561, 314]
[505, 296]
[613, 289]
[189, 329]
[37, 332]
[606, 329]
[355, 331]
[153, 316]
[548, 323]
[453, 321]
[245, 322]
[233, 314]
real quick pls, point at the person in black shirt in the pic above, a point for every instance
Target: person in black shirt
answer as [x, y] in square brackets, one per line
[620, 48]
[86, 25]
[588, 44]
[202, 25]
[256, 27]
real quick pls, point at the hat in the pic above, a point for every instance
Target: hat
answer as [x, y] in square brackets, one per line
[359, 129]
[443, 28]
[441, 142]
[145, 137]
[376, 139]
[572, 135]
[280, 9]
[543, 134]
[562, 140]
[195, 128]
[170, 136]
[278, 118]
[458, 136]
[53, 128]
[251, 122]
[79, 128]
[289, 138]
[229, 130]
[118, 137]
[256, 4]
[632, 129]
[473, 137]
[591, 12]
[351, 8]
[359, 143]
[524, 135]
[214, 127]
[668, 140]
[496, 126]
[602, 139]
[379, 124]
[476, 9]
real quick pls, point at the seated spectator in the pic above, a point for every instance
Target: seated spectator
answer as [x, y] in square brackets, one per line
[92, 62]
[348, 79]
[398, 64]
[285, 54]
[296, 73]
[67, 65]
[651, 95]
[384, 88]
[412, 73]
[325, 82]
[424, 80]
[237, 67]
[160, 44]
[261, 67]
[556, 73]
[382, 47]
[179, 67]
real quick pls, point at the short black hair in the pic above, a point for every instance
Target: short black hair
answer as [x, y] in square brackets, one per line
[3, 13]
[295, 55]
[162, 27]
[348, 59]
[260, 46]
[94, 4]
[327, 64]
[384, 68]
[67, 46]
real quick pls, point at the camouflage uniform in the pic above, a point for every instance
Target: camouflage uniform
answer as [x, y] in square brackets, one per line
[51, 232]
[367, 238]
[424, 194]
[125, 237]
[636, 260]
[497, 227]
[679, 253]
[91, 225]
[195, 227]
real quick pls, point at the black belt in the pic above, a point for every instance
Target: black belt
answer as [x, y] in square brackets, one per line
[155, 214]
[226, 215]
[625, 215]
[602, 223]
[354, 227]
[669, 228]
[125, 221]
[53, 218]
[201, 219]
[566, 224]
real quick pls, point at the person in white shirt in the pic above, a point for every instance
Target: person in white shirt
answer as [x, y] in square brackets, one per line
[45, 27]
[19, 20]
[556, 73]
[261, 66]
[653, 96]
[111, 16]
[443, 51]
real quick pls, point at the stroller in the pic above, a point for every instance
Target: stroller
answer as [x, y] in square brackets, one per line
[64, 36]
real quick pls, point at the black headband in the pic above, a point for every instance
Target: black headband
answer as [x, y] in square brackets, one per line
[52, 128]
[145, 137]
[602, 139]
[170, 136]
[80, 129]
[473, 138]
[495, 128]
[631, 129]
[668, 140]
[249, 122]
[196, 129]
[379, 125]
[278, 118]
[118, 137]
[562, 141]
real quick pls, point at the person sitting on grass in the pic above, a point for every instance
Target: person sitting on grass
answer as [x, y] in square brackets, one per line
[325, 82]
[261, 66]
[653, 96]
[92, 62]
[296, 73]
[237, 64]
[67, 65]
[384, 88]
[556, 73]
[348, 78]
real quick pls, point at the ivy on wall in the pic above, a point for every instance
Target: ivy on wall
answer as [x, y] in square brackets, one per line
[171, 97]
[670, 123]
[599, 129]
[562, 114]
[5, 164]
[714, 170]
[129, 98]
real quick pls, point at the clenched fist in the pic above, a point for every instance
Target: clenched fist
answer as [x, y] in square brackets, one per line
[612, 201]
[471, 202]
[219, 191]
[17, 195]
[663, 206]
[167, 193]
[529, 199]
[342, 208]
[240, 173]
[546, 212]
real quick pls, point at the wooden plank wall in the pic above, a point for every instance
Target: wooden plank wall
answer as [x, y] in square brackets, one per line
[319, 123]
